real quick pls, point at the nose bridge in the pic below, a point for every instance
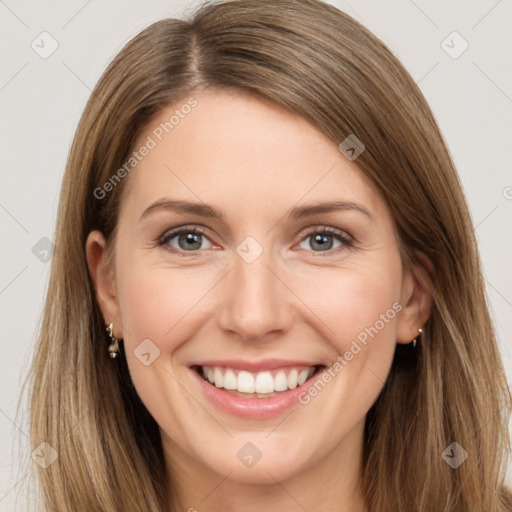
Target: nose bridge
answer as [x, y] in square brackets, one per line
[255, 302]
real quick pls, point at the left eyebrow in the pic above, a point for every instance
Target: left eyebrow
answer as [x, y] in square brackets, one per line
[332, 206]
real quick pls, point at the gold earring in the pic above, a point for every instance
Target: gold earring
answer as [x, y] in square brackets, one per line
[113, 348]
[414, 340]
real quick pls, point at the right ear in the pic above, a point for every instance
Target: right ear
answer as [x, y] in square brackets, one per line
[102, 275]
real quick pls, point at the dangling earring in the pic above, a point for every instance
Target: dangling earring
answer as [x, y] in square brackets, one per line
[414, 340]
[113, 348]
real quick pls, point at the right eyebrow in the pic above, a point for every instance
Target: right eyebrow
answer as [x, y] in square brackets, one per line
[201, 209]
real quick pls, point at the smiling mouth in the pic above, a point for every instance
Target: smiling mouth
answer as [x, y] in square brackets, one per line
[264, 384]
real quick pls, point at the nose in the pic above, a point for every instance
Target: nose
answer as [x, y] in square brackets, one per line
[256, 303]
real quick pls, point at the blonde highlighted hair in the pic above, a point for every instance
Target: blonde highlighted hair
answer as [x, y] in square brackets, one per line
[318, 62]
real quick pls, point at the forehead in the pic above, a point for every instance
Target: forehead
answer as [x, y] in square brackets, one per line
[243, 153]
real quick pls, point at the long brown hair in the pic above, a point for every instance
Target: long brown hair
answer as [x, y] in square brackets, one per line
[320, 63]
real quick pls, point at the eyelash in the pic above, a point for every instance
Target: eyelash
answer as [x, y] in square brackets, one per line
[346, 240]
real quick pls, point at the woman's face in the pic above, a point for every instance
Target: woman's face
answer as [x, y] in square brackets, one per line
[265, 292]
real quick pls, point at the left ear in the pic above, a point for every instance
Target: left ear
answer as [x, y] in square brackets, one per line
[416, 301]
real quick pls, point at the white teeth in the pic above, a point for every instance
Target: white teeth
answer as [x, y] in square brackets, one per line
[230, 380]
[303, 375]
[245, 382]
[280, 382]
[218, 378]
[262, 384]
[292, 379]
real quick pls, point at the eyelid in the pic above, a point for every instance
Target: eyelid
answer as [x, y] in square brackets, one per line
[171, 233]
[318, 228]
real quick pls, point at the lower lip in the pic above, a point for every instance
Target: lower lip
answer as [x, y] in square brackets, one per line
[253, 407]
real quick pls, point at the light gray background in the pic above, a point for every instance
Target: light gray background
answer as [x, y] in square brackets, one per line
[41, 101]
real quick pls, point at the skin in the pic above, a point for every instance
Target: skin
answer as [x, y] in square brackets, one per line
[255, 161]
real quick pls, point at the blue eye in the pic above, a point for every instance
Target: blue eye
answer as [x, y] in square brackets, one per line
[323, 239]
[188, 239]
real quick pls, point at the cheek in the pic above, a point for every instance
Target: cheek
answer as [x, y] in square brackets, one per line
[159, 303]
[357, 311]
[164, 306]
[352, 302]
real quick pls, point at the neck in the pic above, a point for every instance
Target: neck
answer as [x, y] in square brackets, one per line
[330, 483]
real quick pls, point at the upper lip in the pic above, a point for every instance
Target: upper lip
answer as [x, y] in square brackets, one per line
[255, 366]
